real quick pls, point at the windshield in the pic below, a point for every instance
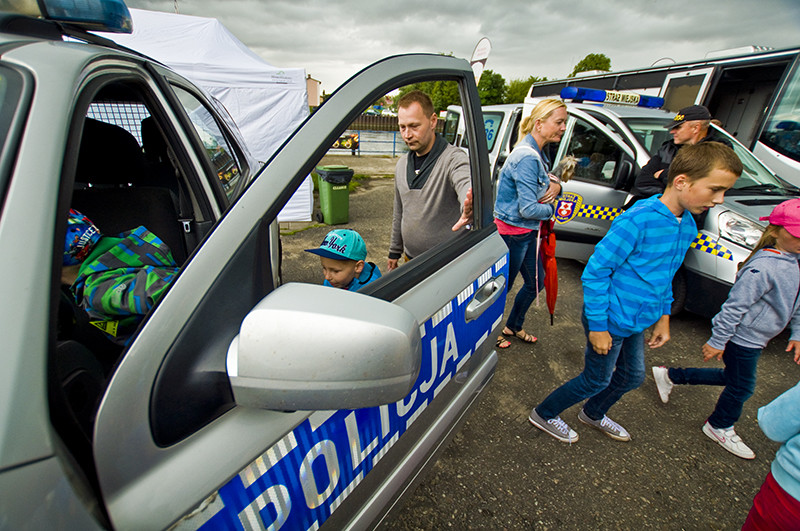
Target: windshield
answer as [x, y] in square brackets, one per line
[755, 176]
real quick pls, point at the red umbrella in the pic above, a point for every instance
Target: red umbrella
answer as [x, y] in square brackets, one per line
[550, 267]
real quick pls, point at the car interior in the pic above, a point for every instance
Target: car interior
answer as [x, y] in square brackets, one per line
[121, 182]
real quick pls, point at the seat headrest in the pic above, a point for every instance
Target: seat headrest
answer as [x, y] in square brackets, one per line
[108, 155]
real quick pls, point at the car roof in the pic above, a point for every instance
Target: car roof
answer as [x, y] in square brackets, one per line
[501, 107]
[17, 31]
[623, 111]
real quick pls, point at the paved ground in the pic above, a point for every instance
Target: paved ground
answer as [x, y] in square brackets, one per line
[500, 473]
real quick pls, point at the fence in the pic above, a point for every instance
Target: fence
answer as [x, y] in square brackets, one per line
[378, 135]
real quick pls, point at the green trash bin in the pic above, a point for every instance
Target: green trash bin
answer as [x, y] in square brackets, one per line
[334, 193]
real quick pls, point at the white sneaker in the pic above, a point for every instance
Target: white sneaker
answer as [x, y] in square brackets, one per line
[663, 383]
[554, 427]
[728, 439]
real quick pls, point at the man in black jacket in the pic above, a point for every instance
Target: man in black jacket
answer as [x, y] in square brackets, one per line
[690, 126]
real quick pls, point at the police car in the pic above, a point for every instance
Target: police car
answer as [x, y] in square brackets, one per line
[612, 134]
[243, 400]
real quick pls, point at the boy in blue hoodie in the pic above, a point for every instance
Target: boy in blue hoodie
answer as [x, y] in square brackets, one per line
[627, 288]
[343, 254]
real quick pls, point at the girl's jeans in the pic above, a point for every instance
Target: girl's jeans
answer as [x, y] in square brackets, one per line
[522, 258]
[738, 377]
[605, 378]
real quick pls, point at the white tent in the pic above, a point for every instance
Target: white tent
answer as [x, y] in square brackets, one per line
[267, 103]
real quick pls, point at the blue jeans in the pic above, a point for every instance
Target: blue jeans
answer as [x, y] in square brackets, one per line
[523, 258]
[605, 378]
[738, 377]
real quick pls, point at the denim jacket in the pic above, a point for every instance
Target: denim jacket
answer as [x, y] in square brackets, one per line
[523, 181]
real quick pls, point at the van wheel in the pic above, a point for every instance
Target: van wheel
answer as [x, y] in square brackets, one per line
[678, 292]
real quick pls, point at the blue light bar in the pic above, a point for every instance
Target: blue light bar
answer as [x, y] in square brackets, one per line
[610, 96]
[95, 15]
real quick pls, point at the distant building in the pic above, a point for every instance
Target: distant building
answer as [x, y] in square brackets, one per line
[313, 88]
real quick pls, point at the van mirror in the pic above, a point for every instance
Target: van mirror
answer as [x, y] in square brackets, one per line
[311, 347]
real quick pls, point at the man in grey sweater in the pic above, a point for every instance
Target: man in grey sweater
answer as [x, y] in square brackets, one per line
[432, 183]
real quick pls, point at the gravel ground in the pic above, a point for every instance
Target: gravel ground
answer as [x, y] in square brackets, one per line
[501, 473]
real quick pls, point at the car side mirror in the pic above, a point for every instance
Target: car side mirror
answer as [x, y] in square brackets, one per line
[311, 347]
[625, 177]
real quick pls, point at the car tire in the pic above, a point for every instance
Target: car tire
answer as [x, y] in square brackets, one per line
[678, 292]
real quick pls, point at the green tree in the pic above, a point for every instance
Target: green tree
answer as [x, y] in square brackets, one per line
[517, 89]
[442, 93]
[593, 61]
[491, 88]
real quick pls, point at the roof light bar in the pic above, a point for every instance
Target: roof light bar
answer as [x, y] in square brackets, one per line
[90, 15]
[611, 96]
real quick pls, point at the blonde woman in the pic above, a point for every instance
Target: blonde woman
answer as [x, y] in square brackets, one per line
[525, 197]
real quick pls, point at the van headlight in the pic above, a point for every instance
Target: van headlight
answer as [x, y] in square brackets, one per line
[739, 229]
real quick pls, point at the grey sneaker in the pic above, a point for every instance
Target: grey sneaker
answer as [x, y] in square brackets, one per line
[607, 426]
[728, 439]
[554, 427]
[663, 383]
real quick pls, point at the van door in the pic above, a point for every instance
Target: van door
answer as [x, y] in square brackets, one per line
[596, 193]
[173, 445]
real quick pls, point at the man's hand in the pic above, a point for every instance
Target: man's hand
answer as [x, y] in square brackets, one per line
[794, 346]
[391, 264]
[553, 191]
[466, 213]
[660, 333]
[600, 341]
[710, 352]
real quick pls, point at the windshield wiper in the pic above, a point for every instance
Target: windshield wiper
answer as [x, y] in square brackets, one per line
[764, 188]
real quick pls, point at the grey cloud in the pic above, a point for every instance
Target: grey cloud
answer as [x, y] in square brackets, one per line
[333, 40]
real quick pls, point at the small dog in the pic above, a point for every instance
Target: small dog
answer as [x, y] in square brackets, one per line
[565, 169]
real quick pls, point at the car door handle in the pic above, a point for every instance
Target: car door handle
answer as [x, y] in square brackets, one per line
[485, 297]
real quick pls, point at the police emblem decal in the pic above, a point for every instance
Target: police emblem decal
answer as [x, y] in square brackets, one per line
[567, 207]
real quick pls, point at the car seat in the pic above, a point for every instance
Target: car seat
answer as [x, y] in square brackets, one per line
[111, 169]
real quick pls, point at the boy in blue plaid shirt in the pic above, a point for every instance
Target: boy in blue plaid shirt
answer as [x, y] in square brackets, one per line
[627, 287]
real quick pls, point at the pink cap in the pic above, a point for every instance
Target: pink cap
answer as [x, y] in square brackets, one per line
[786, 215]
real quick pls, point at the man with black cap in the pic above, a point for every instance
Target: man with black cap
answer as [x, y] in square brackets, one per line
[690, 126]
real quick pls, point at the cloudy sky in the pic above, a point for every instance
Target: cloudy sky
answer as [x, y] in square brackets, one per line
[333, 40]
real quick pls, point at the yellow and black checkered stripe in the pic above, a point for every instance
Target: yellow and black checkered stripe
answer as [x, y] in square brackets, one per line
[598, 212]
[703, 242]
[706, 244]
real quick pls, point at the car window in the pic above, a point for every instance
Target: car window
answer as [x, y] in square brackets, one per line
[597, 154]
[219, 151]
[650, 133]
[335, 184]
